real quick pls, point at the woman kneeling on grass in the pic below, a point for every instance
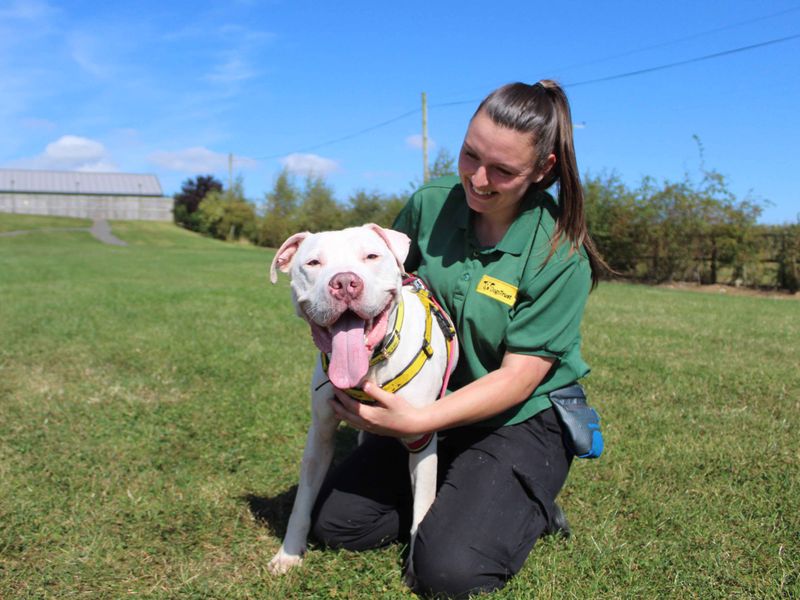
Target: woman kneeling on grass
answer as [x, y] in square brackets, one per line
[513, 268]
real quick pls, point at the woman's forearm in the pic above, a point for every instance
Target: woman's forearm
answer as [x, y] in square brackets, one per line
[488, 396]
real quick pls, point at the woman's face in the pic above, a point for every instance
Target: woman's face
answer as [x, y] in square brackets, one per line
[497, 166]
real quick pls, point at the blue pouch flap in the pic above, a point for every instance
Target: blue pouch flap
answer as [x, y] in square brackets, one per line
[580, 421]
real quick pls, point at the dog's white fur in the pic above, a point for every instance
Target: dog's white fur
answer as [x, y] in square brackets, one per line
[375, 256]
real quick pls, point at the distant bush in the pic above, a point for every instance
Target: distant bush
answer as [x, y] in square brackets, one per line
[227, 215]
[689, 231]
[187, 201]
[784, 243]
[289, 208]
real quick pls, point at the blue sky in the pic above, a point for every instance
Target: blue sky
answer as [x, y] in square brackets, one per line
[172, 88]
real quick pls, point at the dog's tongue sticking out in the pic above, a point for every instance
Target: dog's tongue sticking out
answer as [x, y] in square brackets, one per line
[349, 356]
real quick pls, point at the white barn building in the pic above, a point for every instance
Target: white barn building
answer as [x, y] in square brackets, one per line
[84, 195]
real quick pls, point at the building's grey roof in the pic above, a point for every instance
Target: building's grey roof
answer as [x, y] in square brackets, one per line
[75, 182]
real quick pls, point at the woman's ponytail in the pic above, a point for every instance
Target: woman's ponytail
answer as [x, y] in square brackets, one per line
[572, 218]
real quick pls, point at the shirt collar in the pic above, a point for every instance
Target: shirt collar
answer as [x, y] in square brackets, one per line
[519, 233]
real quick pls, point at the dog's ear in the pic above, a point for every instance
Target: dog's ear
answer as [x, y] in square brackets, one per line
[285, 254]
[398, 242]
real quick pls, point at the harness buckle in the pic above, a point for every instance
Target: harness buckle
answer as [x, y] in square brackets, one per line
[384, 353]
[444, 323]
[416, 283]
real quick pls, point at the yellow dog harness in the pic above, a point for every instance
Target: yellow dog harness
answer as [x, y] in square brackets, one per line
[432, 310]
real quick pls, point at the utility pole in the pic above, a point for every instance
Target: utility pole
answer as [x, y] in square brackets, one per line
[425, 173]
[230, 171]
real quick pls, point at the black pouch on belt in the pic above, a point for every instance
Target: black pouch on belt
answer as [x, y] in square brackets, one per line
[580, 421]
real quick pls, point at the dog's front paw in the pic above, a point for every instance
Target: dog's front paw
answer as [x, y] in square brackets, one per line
[282, 562]
[409, 577]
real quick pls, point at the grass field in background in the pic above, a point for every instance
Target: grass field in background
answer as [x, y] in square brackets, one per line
[33, 222]
[154, 404]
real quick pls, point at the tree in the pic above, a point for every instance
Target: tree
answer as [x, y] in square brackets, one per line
[444, 164]
[788, 257]
[373, 207]
[318, 210]
[365, 207]
[280, 216]
[227, 215]
[685, 230]
[187, 201]
[392, 207]
[612, 219]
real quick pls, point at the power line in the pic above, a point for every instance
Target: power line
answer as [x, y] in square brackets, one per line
[664, 44]
[345, 137]
[649, 69]
[684, 62]
[567, 85]
[677, 40]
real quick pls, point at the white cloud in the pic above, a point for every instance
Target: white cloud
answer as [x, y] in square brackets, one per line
[197, 159]
[71, 153]
[309, 164]
[75, 148]
[415, 141]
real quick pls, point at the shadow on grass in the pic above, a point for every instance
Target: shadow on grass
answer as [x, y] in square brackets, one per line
[274, 511]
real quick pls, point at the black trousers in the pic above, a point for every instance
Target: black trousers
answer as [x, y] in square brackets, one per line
[496, 491]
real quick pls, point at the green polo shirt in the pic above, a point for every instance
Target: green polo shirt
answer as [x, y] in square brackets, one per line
[507, 298]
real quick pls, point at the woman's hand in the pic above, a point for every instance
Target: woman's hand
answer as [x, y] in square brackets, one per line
[391, 415]
[495, 392]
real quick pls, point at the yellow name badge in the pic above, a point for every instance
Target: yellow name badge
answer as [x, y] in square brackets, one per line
[498, 290]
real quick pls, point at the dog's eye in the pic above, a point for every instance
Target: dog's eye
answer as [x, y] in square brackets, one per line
[313, 263]
[373, 256]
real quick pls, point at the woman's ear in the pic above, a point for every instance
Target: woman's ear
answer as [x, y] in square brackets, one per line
[548, 166]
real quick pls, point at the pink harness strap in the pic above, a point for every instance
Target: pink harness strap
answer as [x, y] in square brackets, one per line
[419, 444]
[451, 339]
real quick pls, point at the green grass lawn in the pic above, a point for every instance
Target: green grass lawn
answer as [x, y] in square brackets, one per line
[33, 222]
[153, 410]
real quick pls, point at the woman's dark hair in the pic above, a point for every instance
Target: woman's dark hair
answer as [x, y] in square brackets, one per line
[542, 110]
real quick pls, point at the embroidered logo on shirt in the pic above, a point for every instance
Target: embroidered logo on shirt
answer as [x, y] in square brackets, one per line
[498, 290]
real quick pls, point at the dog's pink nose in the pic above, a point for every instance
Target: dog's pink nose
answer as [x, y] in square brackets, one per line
[346, 286]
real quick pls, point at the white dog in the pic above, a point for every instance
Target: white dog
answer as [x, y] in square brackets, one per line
[369, 327]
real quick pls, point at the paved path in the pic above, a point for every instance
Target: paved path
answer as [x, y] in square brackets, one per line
[100, 229]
